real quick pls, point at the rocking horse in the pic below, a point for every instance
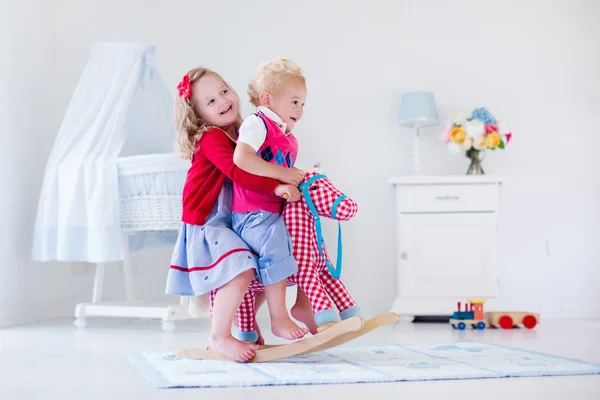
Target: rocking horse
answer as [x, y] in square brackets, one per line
[316, 277]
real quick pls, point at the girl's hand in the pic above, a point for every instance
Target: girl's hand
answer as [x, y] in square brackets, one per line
[293, 176]
[288, 192]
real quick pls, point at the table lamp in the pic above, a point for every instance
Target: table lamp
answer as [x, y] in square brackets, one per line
[417, 110]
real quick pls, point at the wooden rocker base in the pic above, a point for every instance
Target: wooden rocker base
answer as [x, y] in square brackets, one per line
[338, 334]
[387, 318]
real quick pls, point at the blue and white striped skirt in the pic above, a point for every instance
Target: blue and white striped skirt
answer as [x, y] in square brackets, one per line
[208, 256]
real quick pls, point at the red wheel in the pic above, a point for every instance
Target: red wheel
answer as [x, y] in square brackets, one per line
[529, 321]
[506, 322]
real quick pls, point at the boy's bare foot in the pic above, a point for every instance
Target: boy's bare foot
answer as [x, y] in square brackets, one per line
[287, 329]
[306, 316]
[233, 349]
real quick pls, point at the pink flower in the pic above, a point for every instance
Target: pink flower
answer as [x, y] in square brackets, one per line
[508, 136]
[445, 136]
[489, 128]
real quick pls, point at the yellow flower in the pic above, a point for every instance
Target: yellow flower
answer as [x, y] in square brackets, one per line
[493, 140]
[480, 142]
[457, 135]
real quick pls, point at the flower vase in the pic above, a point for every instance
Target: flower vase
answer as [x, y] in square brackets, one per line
[475, 167]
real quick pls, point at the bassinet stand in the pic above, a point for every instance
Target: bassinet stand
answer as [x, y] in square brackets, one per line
[131, 308]
[148, 207]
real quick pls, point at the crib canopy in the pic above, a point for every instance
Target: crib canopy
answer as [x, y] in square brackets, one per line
[120, 107]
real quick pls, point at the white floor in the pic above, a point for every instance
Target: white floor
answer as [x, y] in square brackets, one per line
[54, 360]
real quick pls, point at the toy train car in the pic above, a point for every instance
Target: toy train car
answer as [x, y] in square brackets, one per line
[473, 315]
[509, 319]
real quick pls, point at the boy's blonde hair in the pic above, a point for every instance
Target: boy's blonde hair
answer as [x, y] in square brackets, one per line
[190, 126]
[273, 75]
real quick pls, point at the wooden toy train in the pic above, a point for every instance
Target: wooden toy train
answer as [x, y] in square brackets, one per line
[474, 315]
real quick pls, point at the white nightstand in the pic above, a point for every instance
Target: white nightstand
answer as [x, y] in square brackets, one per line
[447, 242]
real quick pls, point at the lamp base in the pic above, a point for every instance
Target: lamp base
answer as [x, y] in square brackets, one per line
[416, 156]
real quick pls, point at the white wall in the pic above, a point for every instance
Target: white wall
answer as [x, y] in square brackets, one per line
[28, 291]
[534, 64]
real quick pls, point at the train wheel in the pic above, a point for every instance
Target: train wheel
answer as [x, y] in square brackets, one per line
[529, 321]
[461, 326]
[506, 322]
[481, 325]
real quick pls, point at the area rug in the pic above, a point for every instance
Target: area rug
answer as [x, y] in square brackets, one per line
[390, 363]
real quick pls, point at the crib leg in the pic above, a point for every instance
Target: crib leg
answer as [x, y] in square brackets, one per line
[80, 310]
[98, 283]
[130, 308]
[127, 269]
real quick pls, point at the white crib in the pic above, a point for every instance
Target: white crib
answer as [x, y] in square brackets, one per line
[150, 188]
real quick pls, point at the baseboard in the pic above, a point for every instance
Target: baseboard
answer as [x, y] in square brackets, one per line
[28, 313]
[579, 310]
[445, 306]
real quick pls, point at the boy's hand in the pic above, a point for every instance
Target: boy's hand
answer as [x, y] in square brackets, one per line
[289, 192]
[293, 176]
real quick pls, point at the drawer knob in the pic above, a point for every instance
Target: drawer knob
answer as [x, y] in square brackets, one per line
[404, 255]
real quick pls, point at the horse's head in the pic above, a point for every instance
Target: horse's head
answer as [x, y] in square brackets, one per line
[327, 200]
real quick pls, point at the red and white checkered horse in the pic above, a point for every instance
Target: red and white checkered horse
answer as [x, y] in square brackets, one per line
[316, 276]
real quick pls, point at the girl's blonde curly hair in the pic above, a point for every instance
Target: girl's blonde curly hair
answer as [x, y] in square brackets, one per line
[190, 126]
[273, 75]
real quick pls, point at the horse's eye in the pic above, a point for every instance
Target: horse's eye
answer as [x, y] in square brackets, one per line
[313, 187]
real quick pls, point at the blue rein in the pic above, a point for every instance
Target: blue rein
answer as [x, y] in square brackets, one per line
[305, 188]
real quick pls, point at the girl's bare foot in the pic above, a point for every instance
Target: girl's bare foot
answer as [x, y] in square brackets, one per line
[306, 316]
[231, 348]
[287, 329]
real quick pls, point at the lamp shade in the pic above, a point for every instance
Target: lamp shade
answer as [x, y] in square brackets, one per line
[418, 109]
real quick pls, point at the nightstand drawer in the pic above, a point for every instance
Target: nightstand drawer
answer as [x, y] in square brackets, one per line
[447, 198]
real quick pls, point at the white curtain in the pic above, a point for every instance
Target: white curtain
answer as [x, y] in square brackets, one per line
[120, 107]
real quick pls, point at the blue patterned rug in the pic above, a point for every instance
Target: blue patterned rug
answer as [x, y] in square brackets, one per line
[391, 363]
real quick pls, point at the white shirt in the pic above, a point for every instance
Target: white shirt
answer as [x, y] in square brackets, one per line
[253, 131]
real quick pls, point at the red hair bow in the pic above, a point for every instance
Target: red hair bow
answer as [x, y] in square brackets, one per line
[184, 87]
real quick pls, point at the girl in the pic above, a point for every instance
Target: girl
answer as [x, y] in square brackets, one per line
[208, 255]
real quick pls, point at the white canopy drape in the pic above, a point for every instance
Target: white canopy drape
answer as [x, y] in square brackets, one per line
[120, 107]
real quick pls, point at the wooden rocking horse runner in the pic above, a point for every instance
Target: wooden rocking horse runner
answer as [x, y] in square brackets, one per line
[316, 276]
